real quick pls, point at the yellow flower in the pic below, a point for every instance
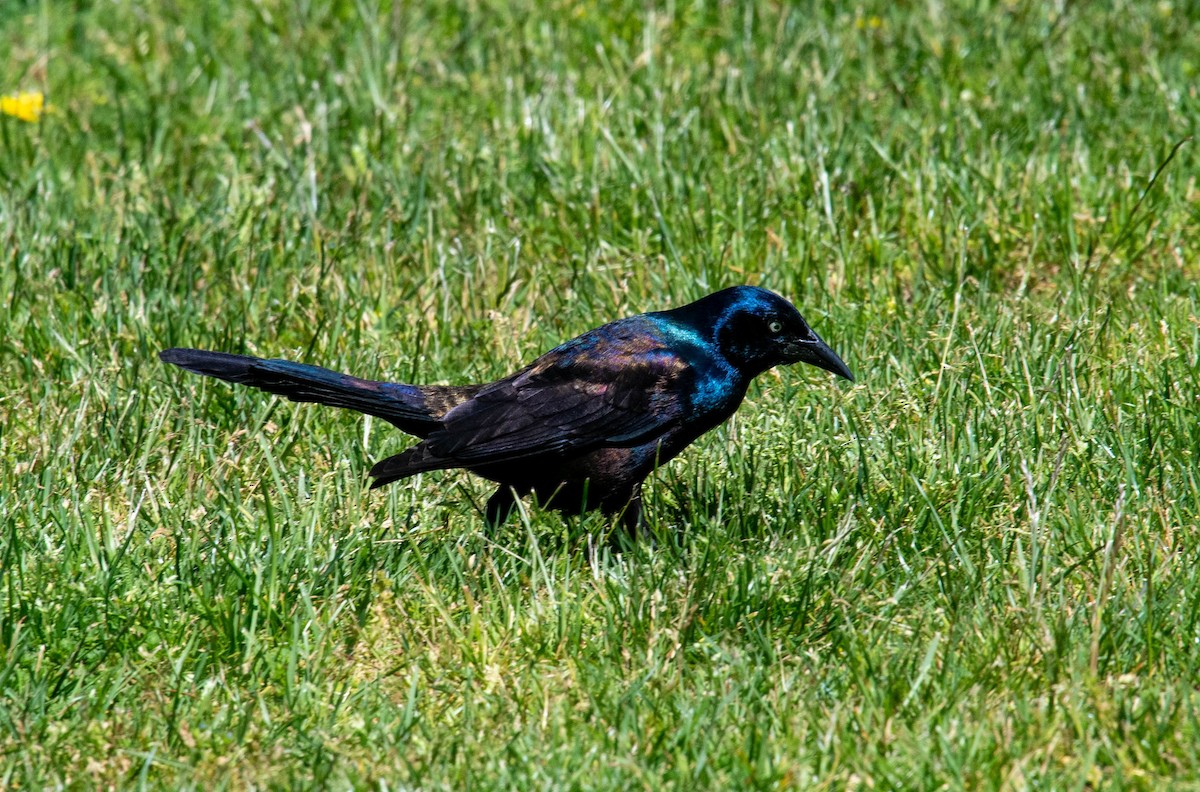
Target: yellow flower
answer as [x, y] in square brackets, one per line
[27, 105]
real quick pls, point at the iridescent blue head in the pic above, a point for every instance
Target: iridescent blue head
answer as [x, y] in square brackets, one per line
[755, 329]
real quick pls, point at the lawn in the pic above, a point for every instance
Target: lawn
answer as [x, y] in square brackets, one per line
[976, 567]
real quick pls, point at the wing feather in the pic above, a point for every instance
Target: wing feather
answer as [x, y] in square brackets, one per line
[618, 385]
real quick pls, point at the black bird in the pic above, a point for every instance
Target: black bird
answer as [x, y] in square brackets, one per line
[583, 425]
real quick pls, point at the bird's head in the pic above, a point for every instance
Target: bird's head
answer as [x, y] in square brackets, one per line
[756, 329]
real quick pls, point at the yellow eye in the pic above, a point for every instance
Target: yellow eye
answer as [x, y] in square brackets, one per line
[775, 326]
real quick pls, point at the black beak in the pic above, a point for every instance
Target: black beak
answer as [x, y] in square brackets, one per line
[817, 353]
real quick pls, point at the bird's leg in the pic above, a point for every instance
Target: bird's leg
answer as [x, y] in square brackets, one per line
[502, 503]
[631, 519]
[628, 510]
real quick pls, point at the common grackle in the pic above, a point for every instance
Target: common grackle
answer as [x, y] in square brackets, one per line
[583, 425]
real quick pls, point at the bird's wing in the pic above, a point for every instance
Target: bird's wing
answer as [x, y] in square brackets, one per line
[618, 385]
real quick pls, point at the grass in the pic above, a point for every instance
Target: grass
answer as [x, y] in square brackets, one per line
[975, 568]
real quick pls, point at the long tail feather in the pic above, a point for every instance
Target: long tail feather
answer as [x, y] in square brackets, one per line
[405, 406]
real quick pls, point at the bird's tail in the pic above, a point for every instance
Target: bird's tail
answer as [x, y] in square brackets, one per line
[414, 410]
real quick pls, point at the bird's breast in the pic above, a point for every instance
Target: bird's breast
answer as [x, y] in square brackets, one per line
[717, 390]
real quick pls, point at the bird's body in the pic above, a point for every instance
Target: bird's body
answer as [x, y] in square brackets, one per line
[583, 425]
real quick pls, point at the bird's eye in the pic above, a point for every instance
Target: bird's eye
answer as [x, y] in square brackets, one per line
[775, 326]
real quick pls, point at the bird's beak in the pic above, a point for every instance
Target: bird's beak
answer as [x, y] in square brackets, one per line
[817, 353]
